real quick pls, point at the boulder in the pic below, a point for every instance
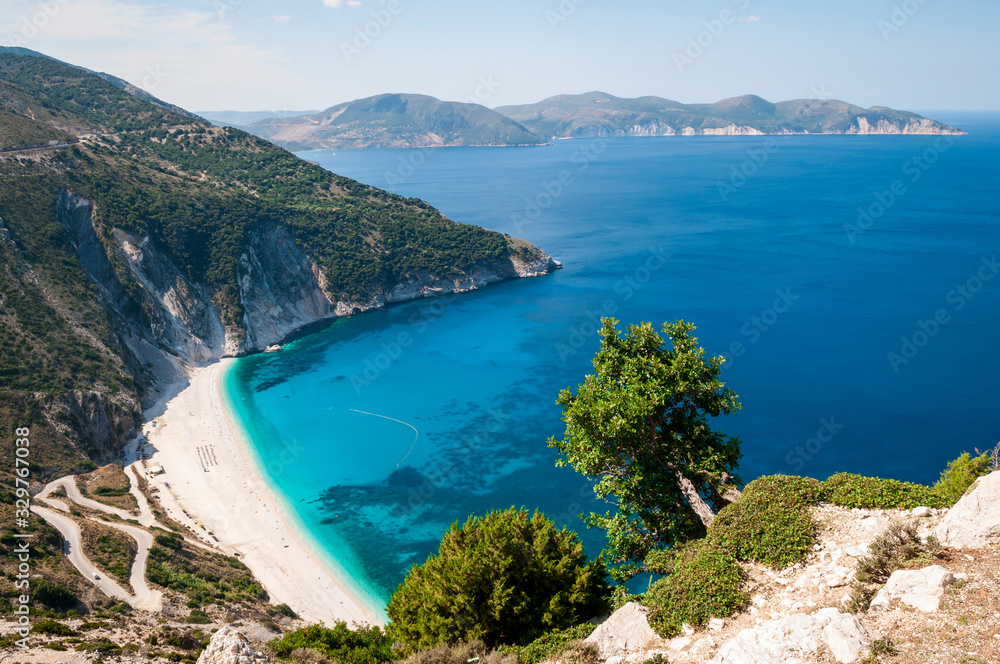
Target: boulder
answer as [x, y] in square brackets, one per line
[791, 639]
[627, 630]
[920, 588]
[974, 521]
[229, 646]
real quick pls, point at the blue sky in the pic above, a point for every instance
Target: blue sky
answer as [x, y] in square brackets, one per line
[298, 54]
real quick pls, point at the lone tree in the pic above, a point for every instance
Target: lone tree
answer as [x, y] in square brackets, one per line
[640, 426]
[506, 579]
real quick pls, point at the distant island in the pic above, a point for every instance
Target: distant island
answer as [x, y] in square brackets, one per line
[600, 114]
[395, 121]
[418, 121]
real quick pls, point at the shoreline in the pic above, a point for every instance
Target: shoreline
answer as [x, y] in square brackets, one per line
[213, 484]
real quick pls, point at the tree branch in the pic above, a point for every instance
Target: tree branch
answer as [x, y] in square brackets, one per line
[694, 499]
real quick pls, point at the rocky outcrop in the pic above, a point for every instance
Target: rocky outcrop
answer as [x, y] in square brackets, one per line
[974, 521]
[920, 588]
[229, 646]
[786, 640]
[102, 425]
[912, 126]
[627, 630]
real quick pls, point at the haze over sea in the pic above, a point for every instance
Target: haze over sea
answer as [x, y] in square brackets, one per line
[872, 349]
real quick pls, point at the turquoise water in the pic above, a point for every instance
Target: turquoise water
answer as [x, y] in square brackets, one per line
[871, 348]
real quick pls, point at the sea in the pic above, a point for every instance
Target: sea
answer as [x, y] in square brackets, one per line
[851, 283]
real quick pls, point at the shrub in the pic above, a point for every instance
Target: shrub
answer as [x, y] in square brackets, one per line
[53, 594]
[363, 645]
[770, 523]
[959, 476]
[849, 490]
[704, 582]
[462, 653]
[52, 628]
[549, 645]
[890, 551]
[506, 579]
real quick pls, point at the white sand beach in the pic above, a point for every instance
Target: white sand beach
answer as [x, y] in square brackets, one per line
[191, 432]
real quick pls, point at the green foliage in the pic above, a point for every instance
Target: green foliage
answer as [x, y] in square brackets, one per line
[53, 594]
[170, 541]
[959, 476]
[640, 425]
[770, 523]
[363, 645]
[849, 490]
[548, 645]
[703, 582]
[505, 578]
[53, 628]
[204, 577]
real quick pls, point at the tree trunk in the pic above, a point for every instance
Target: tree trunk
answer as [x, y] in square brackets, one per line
[694, 499]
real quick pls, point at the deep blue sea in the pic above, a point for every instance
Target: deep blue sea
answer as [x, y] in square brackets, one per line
[852, 282]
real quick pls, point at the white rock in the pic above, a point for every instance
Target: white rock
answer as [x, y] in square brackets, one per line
[680, 643]
[920, 588]
[974, 521]
[716, 624]
[229, 646]
[626, 630]
[786, 602]
[613, 660]
[873, 522]
[859, 551]
[703, 644]
[789, 639]
[759, 600]
[687, 629]
[921, 511]
[835, 555]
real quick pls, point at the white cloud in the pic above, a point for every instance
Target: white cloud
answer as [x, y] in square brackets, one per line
[281, 19]
[194, 58]
[753, 18]
[336, 4]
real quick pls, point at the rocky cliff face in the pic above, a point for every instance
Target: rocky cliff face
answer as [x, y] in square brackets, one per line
[280, 288]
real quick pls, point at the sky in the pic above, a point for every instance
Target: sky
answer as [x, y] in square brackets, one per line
[283, 55]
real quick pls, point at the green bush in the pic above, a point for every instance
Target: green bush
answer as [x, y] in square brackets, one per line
[704, 582]
[890, 551]
[506, 579]
[363, 645]
[849, 490]
[548, 645]
[52, 628]
[53, 595]
[959, 476]
[770, 523]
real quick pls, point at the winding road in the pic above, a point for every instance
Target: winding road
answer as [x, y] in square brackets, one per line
[145, 598]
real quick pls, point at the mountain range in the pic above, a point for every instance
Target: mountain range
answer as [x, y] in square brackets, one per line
[413, 121]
